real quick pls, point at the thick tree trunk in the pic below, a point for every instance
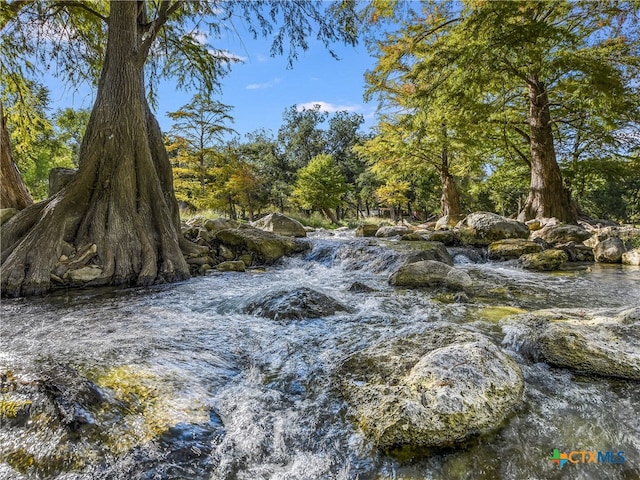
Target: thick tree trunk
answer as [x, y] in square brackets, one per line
[450, 199]
[13, 192]
[122, 198]
[547, 195]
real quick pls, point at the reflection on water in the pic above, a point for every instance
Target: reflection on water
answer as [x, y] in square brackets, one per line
[194, 389]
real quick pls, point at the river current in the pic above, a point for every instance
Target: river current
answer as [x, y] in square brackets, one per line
[238, 396]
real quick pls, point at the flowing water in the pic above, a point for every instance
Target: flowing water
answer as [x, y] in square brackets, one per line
[226, 395]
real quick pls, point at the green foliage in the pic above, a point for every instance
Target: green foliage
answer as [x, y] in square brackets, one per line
[454, 79]
[320, 185]
[38, 143]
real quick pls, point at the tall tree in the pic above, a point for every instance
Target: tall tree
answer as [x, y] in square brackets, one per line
[122, 199]
[200, 126]
[320, 186]
[534, 62]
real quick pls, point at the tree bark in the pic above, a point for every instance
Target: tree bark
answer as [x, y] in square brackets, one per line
[547, 195]
[450, 199]
[13, 192]
[122, 198]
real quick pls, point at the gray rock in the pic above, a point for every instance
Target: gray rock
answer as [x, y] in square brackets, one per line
[231, 266]
[448, 221]
[544, 261]
[632, 257]
[447, 237]
[577, 252]
[609, 250]
[216, 225]
[511, 248]
[601, 342]
[392, 231]
[281, 225]
[413, 252]
[483, 228]
[561, 233]
[429, 273]
[267, 247]
[298, 303]
[84, 274]
[366, 230]
[433, 389]
[226, 253]
[412, 237]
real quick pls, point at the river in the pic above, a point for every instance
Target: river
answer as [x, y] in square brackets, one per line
[235, 396]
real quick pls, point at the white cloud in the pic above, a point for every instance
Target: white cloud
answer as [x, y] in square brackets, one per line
[328, 107]
[199, 36]
[258, 86]
[226, 55]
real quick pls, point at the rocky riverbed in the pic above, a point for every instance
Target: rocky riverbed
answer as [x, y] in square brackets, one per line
[319, 365]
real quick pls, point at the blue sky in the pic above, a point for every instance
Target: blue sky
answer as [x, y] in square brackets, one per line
[262, 87]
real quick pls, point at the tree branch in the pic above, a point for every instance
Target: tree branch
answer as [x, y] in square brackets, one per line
[153, 28]
[86, 8]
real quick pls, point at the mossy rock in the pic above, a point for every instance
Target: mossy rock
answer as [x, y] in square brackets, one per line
[497, 313]
[547, 260]
[599, 342]
[266, 246]
[429, 273]
[434, 389]
[512, 248]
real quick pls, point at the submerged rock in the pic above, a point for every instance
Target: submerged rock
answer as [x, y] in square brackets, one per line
[599, 342]
[281, 225]
[430, 390]
[483, 228]
[429, 273]
[551, 259]
[299, 303]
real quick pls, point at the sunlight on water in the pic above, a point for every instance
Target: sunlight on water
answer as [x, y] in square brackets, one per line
[191, 387]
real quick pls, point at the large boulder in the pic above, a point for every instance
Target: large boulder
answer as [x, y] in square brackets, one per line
[555, 234]
[298, 303]
[429, 273]
[433, 389]
[483, 228]
[601, 342]
[551, 259]
[266, 246]
[412, 252]
[511, 248]
[281, 225]
[392, 231]
[609, 250]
